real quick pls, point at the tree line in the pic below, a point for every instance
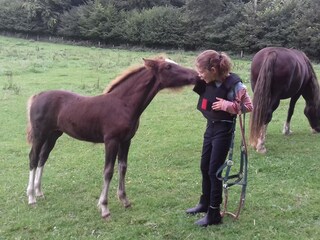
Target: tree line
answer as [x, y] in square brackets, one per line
[226, 25]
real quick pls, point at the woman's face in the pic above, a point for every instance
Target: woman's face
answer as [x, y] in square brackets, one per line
[206, 75]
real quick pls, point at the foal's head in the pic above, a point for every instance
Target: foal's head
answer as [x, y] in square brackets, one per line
[170, 74]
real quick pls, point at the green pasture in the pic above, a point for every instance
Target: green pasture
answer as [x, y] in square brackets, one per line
[163, 179]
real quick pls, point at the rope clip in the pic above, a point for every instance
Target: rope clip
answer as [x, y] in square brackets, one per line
[229, 163]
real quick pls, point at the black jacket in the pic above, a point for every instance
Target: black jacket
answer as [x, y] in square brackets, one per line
[208, 94]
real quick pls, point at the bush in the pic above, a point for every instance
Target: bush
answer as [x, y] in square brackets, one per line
[159, 27]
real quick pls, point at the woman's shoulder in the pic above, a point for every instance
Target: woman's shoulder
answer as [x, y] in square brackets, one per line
[238, 81]
[232, 80]
[239, 86]
[235, 76]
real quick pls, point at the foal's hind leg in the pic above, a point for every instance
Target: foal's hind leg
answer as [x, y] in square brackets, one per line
[34, 159]
[44, 154]
[111, 149]
[286, 128]
[122, 167]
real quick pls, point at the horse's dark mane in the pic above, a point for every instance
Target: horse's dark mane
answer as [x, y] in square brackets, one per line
[315, 84]
[125, 75]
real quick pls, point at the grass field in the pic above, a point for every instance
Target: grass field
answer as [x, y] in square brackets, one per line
[163, 179]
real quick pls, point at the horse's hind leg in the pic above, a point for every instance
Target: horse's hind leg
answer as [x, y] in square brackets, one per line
[44, 154]
[111, 149]
[34, 159]
[260, 147]
[122, 167]
[286, 128]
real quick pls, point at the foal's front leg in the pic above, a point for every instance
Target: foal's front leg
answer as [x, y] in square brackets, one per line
[122, 167]
[111, 149]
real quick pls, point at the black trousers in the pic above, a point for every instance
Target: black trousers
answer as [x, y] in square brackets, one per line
[216, 144]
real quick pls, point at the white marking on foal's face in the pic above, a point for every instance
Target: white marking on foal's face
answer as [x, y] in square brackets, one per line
[170, 61]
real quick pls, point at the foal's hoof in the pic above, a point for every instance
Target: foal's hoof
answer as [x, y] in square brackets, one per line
[127, 205]
[125, 202]
[287, 132]
[106, 217]
[32, 201]
[105, 213]
[33, 205]
[261, 150]
[39, 194]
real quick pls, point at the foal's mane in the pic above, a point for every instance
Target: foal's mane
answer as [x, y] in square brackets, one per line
[122, 77]
[127, 73]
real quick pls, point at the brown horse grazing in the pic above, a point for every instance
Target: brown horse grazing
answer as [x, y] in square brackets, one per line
[111, 118]
[280, 73]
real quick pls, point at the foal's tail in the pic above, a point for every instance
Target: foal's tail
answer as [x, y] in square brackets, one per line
[261, 97]
[29, 125]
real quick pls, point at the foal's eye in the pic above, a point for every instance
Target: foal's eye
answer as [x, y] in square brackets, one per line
[168, 67]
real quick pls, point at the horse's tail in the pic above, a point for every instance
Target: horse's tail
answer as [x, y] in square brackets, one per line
[261, 97]
[29, 125]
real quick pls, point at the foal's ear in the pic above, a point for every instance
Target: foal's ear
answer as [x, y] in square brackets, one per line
[149, 63]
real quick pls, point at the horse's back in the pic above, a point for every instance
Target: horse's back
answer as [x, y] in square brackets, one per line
[286, 61]
[51, 101]
[290, 70]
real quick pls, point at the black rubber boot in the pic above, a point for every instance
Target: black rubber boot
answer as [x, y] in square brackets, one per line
[213, 217]
[202, 207]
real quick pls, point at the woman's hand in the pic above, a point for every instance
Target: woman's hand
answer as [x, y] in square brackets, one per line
[218, 104]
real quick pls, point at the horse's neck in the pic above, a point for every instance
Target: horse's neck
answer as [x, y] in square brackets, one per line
[138, 91]
[313, 91]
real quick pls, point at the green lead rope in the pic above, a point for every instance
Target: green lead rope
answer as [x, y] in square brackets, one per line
[229, 162]
[241, 177]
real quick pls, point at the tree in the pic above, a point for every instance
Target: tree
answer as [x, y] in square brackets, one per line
[210, 21]
[162, 27]
[47, 12]
[142, 4]
[269, 23]
[228, 25]
[307, 28]
[13, 17]
[69, 24]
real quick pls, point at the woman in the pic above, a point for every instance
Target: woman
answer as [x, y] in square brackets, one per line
[222, 97]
